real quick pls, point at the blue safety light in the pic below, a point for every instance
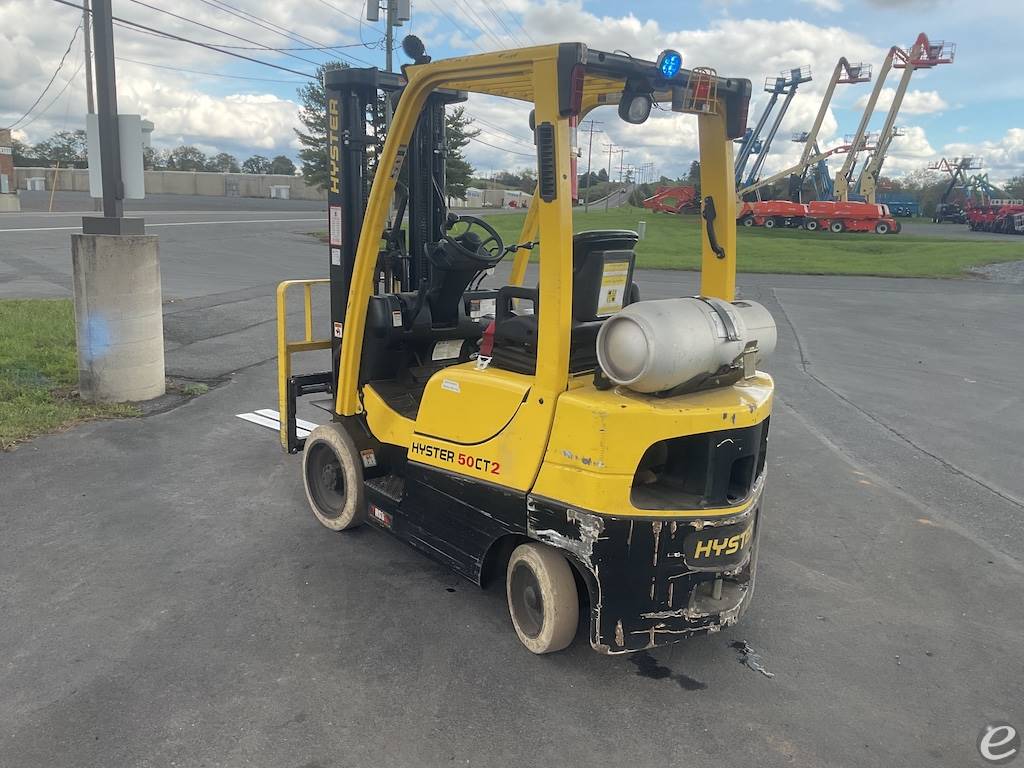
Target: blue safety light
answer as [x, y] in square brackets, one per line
[669, 63]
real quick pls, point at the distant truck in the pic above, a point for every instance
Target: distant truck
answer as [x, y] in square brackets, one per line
[949, 212]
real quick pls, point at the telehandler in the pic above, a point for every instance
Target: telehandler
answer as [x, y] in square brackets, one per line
[591, 449]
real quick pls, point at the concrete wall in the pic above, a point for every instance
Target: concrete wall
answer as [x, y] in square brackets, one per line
[183, 183]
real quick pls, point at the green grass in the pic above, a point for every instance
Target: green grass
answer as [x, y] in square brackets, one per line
[39, 371]
[673, 242]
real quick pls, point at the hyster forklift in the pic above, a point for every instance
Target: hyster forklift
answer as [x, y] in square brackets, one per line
[596, 451]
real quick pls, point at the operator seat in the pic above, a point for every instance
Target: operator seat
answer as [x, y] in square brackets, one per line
[602, 283]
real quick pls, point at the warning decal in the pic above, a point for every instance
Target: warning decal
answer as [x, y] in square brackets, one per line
[613, 287]
[335, 224]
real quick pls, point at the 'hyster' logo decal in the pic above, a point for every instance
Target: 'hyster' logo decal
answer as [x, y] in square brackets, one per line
[730, 545]
[455, 458]
[333, 120]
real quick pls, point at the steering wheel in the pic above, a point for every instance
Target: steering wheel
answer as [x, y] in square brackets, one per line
[467, 243]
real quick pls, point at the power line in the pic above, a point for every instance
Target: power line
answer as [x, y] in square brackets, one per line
[221, 46]
[508, 133]
[477, 22]
[60, 66]
[219, 31]
[502, 149]
[501, 21]
[351, 16]
[53, 101]
[456, 24]
[207, 74]
[179, 38]
[518, 24]
[277, 29]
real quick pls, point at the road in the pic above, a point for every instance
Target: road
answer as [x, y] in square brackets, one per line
[167, 597]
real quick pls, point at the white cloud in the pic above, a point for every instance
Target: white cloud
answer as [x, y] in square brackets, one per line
[833, 6]
[914, 102]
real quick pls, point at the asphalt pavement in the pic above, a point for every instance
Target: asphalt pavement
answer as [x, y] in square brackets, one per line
[167, 598]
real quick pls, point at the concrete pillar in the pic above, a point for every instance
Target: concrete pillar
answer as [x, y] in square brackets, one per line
[118, 317]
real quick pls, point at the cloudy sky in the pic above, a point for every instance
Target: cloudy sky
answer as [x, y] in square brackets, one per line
[220, 103]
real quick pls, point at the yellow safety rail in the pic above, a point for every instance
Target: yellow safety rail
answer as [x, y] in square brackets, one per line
[285, 348]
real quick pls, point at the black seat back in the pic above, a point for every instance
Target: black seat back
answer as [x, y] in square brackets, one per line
[602, 283]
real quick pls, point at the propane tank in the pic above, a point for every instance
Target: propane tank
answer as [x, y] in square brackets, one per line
[652, 346]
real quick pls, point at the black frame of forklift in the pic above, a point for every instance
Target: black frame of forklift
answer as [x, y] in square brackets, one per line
[468, 522]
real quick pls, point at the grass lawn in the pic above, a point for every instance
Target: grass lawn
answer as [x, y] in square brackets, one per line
[39, 371]
[673, 242]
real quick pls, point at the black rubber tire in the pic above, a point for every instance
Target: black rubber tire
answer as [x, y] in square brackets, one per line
[812, 225]
[881, 228]
[769, 223]
[837, 227]
[332, 473]
[747, 221]
[542, 598]
[897, 229]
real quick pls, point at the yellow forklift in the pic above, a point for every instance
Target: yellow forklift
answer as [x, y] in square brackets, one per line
[593, 450]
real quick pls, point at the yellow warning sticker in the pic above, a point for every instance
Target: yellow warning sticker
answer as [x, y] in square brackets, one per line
[613, 287]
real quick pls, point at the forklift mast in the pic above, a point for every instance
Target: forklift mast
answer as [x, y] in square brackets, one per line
[356, 130]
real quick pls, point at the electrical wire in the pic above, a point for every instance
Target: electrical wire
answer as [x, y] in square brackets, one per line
[477, 22]
[170, 36]
[518, 139]
[219, 31]
[207, 74]
[351, 16]
[454, 23]
[501, 21]
[277, 29]
[518, 24]
[53, 101]
[502, 149]
[60, 66]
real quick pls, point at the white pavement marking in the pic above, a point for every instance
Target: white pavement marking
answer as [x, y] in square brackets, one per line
[169, 224]
[265, 417]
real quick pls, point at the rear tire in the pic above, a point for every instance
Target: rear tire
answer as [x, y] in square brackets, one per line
[332, 472]
[769, 223]
[837, 227]
[747, 221]
[542, 598]
[881, 228]
[812, 225]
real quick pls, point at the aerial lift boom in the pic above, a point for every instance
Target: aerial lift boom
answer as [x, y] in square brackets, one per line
[785, 84]
[845, 72]
[923, 54]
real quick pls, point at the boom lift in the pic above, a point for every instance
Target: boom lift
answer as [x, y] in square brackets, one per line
[785, 84]
[844, 72]
[946, 209]
[923, 54]
[578, 443]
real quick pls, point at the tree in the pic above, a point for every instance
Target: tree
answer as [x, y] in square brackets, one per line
[186, 158]
[64, 147]
[457, 171]
[313, 116]
[224, 163]
[693, 176]
[1014, 188]
[282, 165]
[256, 164]
[602, 175]
[22, 153]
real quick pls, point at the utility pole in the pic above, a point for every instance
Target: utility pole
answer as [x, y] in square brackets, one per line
[87, 34]
[590, 149]
[622, 156]
[611, 150]
[389, 38]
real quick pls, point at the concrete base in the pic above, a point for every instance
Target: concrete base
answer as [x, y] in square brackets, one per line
[118, 317]
[9, 203]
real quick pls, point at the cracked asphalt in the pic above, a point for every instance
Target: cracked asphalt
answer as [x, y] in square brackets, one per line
[167, 599]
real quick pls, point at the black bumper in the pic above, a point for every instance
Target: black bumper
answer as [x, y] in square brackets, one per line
[653, 581]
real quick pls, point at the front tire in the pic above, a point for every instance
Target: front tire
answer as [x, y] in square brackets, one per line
[332, 473]
[747, 221]
[542, 598]
[837, 227]
[769, 223]
[881, 228]
[811, 225]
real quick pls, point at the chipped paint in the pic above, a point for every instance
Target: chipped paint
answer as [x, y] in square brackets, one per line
[656, 527]
[620, 639]
[590, 529]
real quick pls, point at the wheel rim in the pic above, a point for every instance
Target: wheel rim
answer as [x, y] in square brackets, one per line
[748, 222]
[527, 601]
[326, 480]
[769, 224]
